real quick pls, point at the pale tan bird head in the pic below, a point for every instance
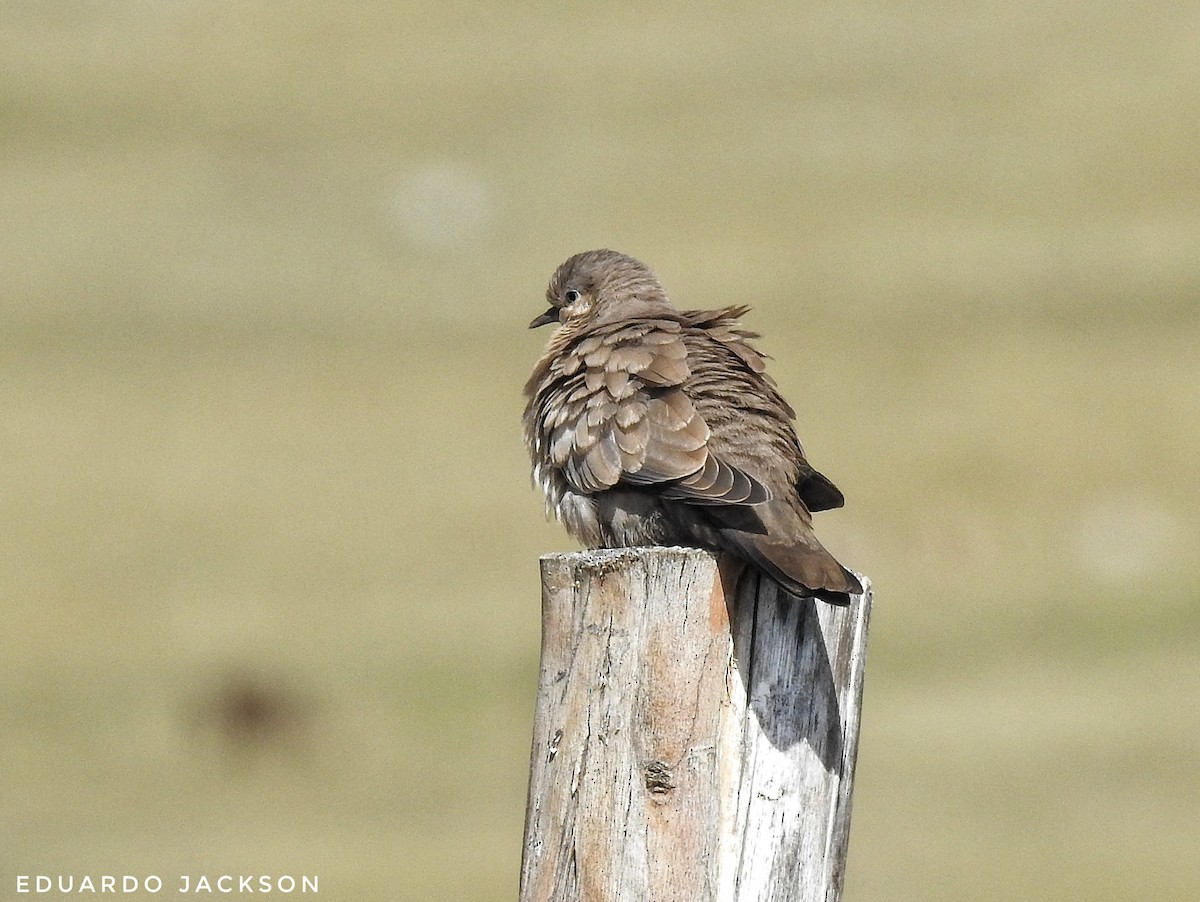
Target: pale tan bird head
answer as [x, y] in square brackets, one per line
[597, 285]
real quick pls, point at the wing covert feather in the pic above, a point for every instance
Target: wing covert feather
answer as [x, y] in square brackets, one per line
[622, 415]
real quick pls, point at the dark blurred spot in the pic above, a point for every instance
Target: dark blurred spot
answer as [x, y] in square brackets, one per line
[251, 711]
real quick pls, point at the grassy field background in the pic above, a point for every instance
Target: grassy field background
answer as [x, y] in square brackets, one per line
[269, 558]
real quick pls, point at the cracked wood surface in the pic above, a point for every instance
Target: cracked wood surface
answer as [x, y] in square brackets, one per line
[695, 733]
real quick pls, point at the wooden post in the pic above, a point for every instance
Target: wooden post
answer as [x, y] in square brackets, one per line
[695, 733]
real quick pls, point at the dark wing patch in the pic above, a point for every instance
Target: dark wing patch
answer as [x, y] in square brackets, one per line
[818, 493]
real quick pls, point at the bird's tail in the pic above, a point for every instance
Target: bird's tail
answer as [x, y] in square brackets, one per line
[793, 557]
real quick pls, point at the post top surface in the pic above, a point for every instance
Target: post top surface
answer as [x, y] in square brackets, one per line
[612, 556]
[608, 558]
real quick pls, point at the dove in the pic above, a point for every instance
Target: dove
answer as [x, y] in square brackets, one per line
[649, 425]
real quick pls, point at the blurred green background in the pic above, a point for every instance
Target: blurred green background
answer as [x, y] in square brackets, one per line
[270, 549]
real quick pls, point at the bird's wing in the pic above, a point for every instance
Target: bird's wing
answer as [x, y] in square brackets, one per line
[723, 326]
[815, 489]
[623, 416]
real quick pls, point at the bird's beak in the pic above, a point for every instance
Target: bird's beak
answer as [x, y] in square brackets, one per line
[550, 316]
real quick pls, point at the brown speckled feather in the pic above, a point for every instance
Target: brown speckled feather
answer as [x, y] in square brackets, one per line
[617, 413]
[649, 425]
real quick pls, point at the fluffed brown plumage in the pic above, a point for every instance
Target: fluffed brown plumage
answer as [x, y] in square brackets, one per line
[649, 425]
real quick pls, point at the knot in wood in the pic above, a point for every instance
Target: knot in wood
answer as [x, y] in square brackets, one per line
[659, 778]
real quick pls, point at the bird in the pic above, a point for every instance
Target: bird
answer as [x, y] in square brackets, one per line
[650, 425]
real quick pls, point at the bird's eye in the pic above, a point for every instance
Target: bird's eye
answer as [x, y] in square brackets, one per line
[571, 295]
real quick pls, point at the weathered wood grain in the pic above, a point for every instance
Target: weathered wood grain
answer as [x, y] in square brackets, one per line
[695, 733]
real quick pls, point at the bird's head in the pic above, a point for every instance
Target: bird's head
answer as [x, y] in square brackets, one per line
[596, 285]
